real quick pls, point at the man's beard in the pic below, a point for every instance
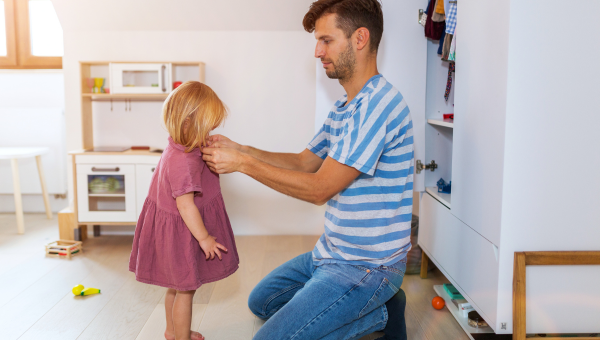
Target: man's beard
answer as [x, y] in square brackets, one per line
[343, 69]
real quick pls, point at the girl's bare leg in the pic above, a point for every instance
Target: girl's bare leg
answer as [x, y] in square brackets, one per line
[182, 314]
[170, 299]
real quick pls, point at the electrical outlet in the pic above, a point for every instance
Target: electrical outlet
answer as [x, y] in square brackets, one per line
[503, 325]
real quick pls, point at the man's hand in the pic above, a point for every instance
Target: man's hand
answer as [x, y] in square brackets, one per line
[223, 160]
[220, 141]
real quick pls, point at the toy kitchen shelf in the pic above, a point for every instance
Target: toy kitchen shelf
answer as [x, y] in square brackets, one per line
[110, 187]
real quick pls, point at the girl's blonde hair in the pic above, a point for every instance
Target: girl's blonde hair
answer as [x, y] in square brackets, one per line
[196, 105]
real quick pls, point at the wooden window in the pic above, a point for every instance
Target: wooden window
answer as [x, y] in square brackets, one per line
[32, 38]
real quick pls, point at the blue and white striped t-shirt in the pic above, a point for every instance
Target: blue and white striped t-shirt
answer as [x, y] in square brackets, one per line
[368, 223]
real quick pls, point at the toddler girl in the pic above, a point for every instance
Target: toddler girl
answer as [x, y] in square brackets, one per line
[175, 244]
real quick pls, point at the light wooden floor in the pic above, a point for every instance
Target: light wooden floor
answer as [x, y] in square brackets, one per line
[36, 302]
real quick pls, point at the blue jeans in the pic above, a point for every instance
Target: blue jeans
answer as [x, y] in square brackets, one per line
[331, 301]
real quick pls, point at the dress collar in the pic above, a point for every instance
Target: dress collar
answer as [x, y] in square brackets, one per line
[181, 147]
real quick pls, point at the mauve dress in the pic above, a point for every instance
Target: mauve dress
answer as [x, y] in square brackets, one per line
[165, 253]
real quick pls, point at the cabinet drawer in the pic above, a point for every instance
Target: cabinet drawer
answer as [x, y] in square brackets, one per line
[465, 257]
[106, 193]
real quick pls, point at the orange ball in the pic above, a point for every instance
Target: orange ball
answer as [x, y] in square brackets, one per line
[438, 302]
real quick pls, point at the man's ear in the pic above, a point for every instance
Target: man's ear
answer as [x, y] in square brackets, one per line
[362, 37]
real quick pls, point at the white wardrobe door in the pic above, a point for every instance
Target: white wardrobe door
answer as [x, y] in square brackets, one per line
[479, 120]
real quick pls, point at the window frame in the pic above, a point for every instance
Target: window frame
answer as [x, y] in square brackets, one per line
[18, 40]
[10, 59]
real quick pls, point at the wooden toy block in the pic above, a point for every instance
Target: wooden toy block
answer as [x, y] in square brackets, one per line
[64, 248]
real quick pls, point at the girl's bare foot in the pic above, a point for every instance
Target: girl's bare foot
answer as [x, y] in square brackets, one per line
[195, 335]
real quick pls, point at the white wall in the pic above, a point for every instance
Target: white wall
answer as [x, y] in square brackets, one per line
[265, 77]
[32, 114]
[551, 189]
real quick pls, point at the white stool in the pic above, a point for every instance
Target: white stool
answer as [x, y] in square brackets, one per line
[14, 154]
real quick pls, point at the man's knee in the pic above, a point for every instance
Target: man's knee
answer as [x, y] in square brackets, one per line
[256, 303]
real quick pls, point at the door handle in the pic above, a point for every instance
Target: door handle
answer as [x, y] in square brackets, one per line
[105, 169]
[153, 169]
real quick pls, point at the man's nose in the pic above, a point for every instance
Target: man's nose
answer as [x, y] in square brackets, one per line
[319, 52]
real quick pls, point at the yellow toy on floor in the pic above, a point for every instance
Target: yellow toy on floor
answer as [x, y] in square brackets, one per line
[82, 291]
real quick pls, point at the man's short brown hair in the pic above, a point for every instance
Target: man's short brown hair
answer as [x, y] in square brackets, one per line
[351, 15]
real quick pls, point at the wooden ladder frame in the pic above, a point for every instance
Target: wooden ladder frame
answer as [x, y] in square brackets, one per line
[542, 258]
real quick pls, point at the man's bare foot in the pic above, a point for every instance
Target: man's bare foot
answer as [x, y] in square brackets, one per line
[195, 335]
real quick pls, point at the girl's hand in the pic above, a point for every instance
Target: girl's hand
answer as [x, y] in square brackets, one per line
[210, 247]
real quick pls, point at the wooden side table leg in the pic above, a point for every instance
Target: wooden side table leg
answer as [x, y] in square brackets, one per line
[18, 199]
[97, 231]
[38, 160]
[424, 264]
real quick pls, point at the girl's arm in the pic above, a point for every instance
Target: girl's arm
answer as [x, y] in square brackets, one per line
[191, 216]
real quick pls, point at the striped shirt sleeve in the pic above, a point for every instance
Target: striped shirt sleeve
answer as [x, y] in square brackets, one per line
[364, 138]
[319, 145]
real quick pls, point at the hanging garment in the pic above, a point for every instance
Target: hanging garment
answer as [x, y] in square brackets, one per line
[451, 69]
[446, 49]
[451, 18]
[441, 45]
[452, 54]
[439, 7]
[439, 15]
[433, 30]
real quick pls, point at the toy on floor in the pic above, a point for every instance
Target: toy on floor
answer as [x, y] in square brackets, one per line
[63, 248]
[80, 290]
[443, 187]
[438, 303]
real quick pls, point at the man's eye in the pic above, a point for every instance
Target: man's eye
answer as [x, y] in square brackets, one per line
[327, 41]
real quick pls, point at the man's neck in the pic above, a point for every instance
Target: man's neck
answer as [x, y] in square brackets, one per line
[359, 79]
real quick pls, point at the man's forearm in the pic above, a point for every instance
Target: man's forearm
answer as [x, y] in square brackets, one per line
[290, 161]
[294, 183]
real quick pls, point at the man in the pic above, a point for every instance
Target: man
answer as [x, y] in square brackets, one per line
[361, 164]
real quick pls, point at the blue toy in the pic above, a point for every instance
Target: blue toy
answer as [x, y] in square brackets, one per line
[443, 187]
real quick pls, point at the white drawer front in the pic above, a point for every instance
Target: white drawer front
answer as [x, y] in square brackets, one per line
[106, 193]
[465, 257]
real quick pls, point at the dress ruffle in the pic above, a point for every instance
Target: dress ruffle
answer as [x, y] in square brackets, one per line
[165, 253]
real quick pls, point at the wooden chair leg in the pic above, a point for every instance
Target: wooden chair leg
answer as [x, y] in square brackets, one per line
[38, 160]
[18, 199]
[424, 264]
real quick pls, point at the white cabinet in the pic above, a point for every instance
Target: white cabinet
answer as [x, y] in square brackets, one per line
[143, 178]
[113, 187]
[140, 78]
[106, 192]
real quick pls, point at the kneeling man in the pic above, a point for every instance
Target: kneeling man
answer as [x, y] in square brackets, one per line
[361, 165]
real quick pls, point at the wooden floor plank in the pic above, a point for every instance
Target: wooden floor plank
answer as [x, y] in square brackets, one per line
[227, 315]
[36, 303]
[154, 328]
[127, 312]
[25, 309]
[436, 324]
[70, 316]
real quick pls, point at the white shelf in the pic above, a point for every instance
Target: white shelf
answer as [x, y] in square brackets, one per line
[462, 321]
[445, 199]
[449, 123]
